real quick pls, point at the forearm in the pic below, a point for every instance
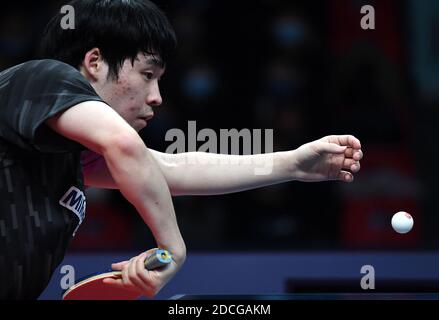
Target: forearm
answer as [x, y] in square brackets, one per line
[139, 178]
[199, 173]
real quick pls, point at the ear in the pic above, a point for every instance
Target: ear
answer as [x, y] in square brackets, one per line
[93, 65]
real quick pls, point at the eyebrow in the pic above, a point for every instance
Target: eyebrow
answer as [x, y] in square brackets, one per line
[155, 61]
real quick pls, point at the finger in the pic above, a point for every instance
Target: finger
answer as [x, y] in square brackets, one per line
[125, 274]
[345, 176]
[118, 284]
[119, 265]
[357, 155]
[351, 164]
[355, 167]
[346, 140]
[354, 142]
[133, 276]
[140, 265]
[143, 273]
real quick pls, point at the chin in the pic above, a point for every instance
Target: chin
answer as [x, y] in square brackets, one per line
[139, 125]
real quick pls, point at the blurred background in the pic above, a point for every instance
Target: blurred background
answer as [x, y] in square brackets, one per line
[305, 69]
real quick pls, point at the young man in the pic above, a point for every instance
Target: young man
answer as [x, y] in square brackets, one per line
[94, 90]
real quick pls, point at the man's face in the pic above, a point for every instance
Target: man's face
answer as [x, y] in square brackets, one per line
[134, 94]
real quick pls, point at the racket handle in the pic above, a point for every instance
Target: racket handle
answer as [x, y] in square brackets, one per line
[158, 259]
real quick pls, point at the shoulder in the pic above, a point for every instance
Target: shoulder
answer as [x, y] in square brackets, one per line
[47, 75]
[45, 64]
[47, 67]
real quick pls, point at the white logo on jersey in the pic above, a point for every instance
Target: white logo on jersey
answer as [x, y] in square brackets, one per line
[74, 200]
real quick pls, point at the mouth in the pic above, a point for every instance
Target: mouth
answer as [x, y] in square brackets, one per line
[147, 117]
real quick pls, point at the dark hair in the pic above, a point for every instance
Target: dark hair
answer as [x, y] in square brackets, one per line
[121, 29]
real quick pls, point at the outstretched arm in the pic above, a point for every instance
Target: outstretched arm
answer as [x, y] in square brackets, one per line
[197, 173]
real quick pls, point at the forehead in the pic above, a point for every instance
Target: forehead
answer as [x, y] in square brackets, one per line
[145, 59]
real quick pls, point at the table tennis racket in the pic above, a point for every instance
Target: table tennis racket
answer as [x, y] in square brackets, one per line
[92, 287]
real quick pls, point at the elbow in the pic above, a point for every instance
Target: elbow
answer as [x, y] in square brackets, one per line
[128, 144]
[126, 155]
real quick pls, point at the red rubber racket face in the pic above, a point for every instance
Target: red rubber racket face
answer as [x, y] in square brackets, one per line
[93, 288]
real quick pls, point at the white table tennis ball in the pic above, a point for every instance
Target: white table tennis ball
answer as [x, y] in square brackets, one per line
[402, 222]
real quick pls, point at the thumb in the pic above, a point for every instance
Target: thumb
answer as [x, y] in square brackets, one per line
[331, 148]
[119, 265]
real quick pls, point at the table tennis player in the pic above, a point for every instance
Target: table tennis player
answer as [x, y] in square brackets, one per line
[92, 90]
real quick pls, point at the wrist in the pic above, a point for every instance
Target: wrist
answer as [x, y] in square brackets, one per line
[179, 255]
[287, 164]
[178, 252]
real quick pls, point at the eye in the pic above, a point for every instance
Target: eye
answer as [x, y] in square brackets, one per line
[148, 75]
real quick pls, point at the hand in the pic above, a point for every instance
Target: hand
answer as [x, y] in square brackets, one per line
[135, 277]
[334, 157]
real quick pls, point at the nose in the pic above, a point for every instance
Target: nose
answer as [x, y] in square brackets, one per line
[154, 99]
